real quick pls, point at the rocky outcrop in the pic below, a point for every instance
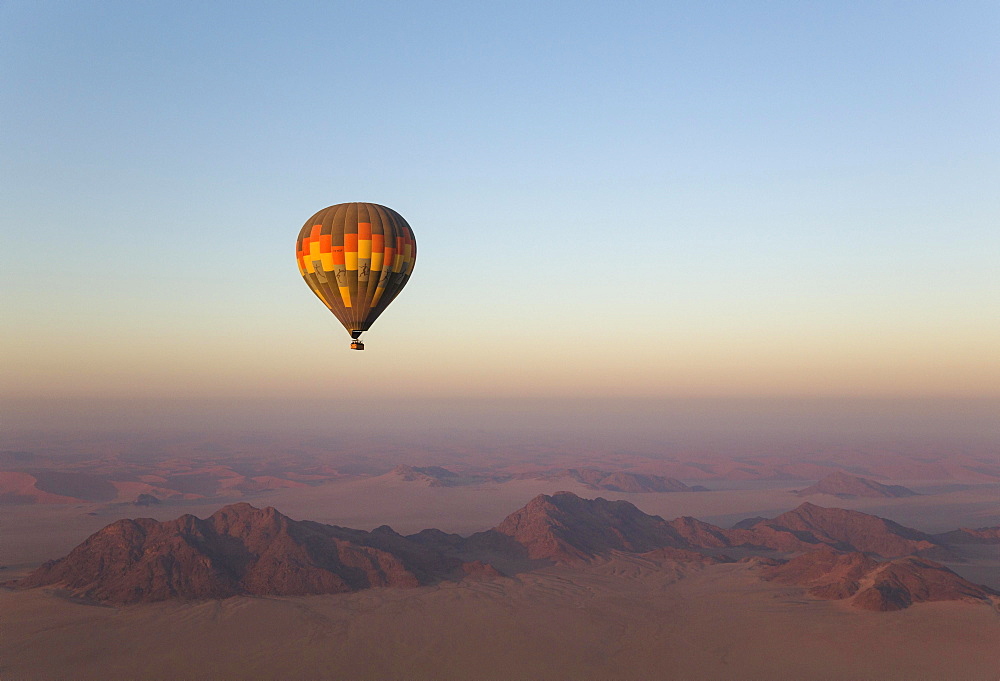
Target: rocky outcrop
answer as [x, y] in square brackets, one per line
[238, 550]
[615, 481]
[873, 585]
[966, 535]
[747, 523]
[845, 486]
[810, 527]
[624, 481]
[249, 551]
[565, 528]
[432, 476]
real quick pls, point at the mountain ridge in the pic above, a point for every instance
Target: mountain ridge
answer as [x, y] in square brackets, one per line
[242, 550]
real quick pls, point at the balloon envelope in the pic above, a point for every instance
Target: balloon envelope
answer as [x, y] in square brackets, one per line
[356, 258]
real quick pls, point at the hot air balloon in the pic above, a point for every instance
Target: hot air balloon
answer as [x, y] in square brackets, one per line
[356, 258]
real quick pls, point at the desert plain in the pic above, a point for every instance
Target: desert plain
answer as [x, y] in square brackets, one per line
[618, 615]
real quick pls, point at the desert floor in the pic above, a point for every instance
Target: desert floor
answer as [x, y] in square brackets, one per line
[626, 618]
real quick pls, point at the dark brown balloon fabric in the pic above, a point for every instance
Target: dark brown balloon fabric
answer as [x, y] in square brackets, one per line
[356, 258]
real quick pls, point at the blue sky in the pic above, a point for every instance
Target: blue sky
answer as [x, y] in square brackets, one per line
[772, 198]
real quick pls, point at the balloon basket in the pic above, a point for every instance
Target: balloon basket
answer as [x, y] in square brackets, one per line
[357, 345]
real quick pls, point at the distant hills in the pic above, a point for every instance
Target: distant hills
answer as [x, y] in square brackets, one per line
[967, 535]
[203, 472]
[180, 480]
[33, 486]
[434, 476]
[846, 486]
[104, 469]
[616, 481]
[592, 478]
[244, 550]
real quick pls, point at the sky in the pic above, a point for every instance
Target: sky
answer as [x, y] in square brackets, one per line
[613, 203]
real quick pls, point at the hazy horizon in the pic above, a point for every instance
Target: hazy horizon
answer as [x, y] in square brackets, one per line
[700, 421]
[662, 202]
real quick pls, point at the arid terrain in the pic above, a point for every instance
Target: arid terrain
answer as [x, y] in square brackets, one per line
[719, 566]
[627, 618]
